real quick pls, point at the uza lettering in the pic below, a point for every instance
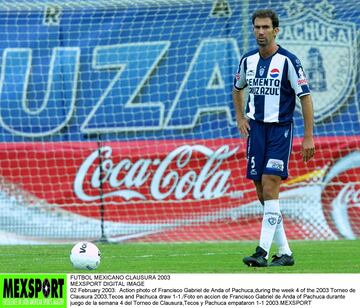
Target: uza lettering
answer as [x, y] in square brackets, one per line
[118, 98]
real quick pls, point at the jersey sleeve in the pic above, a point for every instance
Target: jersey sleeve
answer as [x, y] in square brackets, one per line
[240, 76]
[297, 77]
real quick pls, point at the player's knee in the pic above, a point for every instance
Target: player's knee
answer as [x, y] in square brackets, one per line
[259, 191]
[271, 186]
[260, 196]
[270, 194]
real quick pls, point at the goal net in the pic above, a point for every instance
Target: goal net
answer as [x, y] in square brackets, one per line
[117, 123]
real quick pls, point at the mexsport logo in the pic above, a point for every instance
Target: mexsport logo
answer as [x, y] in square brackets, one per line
[274, 73]
[32, 288]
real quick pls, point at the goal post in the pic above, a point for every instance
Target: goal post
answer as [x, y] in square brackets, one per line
[117, 123]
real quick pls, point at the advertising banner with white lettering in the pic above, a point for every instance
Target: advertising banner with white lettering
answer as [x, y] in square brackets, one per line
[172, 191]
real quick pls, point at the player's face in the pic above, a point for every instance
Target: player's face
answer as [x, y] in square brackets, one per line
[264, 32]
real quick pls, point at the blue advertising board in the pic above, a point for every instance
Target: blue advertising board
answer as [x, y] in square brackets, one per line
[163, 72]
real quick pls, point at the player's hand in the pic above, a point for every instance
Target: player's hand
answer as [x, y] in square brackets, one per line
[243, 126]
[307, 149]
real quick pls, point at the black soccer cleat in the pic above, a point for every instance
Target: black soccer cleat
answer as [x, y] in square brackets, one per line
[283, 260]
[258, 259]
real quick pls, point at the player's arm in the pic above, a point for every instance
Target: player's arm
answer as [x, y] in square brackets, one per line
[239, 104]
[300, 85]
[307, 146]
[238, 95]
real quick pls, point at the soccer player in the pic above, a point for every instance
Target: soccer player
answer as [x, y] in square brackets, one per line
[274, 77]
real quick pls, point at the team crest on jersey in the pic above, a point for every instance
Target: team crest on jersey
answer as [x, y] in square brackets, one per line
[327, 50]
[262, 70]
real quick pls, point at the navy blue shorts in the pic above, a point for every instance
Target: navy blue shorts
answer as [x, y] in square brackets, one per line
[268, 149]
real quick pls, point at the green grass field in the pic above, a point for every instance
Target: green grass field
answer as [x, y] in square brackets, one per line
[220, 257]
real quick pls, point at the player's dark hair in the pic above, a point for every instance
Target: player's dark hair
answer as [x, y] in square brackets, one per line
[267, 14]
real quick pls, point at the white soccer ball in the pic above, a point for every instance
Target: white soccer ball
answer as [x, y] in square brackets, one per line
[85, 255]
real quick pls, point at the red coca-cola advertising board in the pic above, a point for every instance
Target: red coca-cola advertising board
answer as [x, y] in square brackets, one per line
[172, 190]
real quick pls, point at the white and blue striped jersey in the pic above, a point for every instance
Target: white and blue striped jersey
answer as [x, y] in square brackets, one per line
[273, 83]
